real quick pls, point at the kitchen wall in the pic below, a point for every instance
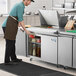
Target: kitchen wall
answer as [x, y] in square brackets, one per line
[1, 21]
[34, 7]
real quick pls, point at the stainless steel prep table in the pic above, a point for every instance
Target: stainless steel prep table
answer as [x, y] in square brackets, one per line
[65, 45]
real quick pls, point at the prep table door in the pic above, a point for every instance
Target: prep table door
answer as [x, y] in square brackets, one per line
[49, 49]
[65, 51]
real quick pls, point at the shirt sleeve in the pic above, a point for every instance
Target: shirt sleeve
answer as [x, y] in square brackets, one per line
[20, 13]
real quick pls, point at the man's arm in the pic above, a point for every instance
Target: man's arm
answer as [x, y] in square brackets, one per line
[23, 26]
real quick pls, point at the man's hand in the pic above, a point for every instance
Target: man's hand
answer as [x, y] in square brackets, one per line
[23, 26]
[19, 25]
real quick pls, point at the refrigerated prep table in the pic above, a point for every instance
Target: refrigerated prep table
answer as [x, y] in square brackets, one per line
[57, 46]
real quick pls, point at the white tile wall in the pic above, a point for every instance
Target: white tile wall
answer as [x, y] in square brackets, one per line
[58, 2]
[75, 0]
[1, 21]
[69, 0]
[12, 3]
[38, 4]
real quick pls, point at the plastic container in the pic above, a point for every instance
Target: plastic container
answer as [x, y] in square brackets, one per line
[38, 40]
[50, 27]
[38, 49]
[34, 50]
[31, 36]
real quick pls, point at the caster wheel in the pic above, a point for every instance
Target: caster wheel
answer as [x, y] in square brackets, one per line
[58, 66]
[65, 67]
[30, 59]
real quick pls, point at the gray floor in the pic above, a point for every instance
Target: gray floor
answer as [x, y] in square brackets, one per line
[43, 64]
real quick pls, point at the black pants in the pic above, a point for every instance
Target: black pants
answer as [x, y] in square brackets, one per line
[10, 49]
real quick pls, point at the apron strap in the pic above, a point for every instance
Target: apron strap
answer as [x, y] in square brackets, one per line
[14, 17]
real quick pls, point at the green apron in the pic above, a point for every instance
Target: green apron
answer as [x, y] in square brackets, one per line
[11, 28]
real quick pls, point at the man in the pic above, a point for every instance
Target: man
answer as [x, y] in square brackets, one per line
[10, 27]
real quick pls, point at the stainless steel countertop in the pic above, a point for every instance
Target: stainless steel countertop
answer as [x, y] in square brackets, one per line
[50, 31]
